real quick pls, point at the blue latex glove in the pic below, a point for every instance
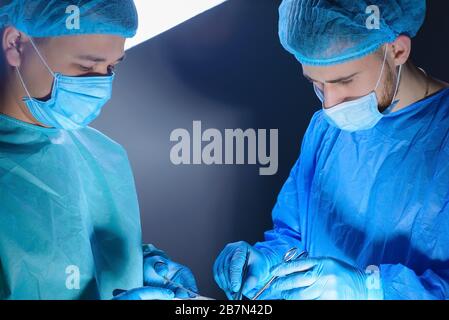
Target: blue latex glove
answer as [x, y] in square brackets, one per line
[144, 293]
[228, 269]
[157, 265]
[320, 279]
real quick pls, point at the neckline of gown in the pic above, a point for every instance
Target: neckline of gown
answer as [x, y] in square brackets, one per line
[394, 126]
[26, 125]
[17, 132]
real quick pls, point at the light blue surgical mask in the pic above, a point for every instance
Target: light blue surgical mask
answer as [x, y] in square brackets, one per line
[75, 101]
[361, 113]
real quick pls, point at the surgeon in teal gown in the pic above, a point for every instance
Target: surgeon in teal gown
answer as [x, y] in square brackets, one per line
[69, 214]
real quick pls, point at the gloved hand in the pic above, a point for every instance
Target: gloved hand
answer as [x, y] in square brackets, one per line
[320, 279]
[157, 265]
[144, 293]
[228, 269]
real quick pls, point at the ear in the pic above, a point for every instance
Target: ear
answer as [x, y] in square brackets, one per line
[401, 49]
[12, 45]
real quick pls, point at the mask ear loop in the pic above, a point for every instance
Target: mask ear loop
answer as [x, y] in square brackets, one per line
[23, 84]
[14, 44]
[42, 58]
[43, 61]
[31, 100]
[382, 70]
[20, 75]
[398, 81]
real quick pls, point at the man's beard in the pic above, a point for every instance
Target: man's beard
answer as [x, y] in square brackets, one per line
[388, 89]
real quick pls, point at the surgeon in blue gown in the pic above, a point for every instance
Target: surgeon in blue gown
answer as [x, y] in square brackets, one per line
[69, 215]
[368, 198]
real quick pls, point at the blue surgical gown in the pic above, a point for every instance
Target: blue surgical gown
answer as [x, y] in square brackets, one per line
[69, 216]
[374, 197]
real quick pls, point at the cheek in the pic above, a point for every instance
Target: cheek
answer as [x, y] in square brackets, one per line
[60, 62]
[37, 78]
[387, 85]
[362, 87]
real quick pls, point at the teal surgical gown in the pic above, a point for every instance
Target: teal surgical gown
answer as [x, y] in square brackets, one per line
[377, 197]
[69, 217]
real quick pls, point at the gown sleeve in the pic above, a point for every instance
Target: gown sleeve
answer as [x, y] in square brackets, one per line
[286, 214]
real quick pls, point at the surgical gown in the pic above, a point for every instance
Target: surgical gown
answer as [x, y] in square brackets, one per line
[377, 197]
[69, 217]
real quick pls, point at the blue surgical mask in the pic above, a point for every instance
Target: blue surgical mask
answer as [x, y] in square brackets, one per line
[359, 114]
[75, 101]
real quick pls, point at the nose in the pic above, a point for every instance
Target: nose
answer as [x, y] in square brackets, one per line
[332, 97]
[102, 70]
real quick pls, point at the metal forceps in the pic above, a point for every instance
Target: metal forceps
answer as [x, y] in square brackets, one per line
[290, 255]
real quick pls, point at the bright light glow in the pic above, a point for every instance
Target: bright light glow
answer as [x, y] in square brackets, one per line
[157, 16]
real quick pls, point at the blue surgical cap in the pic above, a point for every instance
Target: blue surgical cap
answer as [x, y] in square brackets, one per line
[52, 18]
[328, 32]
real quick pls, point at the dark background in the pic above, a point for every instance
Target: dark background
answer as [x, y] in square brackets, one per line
[227, 69]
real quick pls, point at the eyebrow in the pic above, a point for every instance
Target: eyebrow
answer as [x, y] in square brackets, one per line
[98, 59]
[335, 80]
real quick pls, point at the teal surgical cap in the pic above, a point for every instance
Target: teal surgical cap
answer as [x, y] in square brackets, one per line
[328, 32]
[52, 18]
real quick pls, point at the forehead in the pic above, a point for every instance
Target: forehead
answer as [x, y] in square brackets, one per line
[370, 62]
[109, 47]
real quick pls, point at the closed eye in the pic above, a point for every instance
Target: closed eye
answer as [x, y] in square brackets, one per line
[85, 69]
[345, 82]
